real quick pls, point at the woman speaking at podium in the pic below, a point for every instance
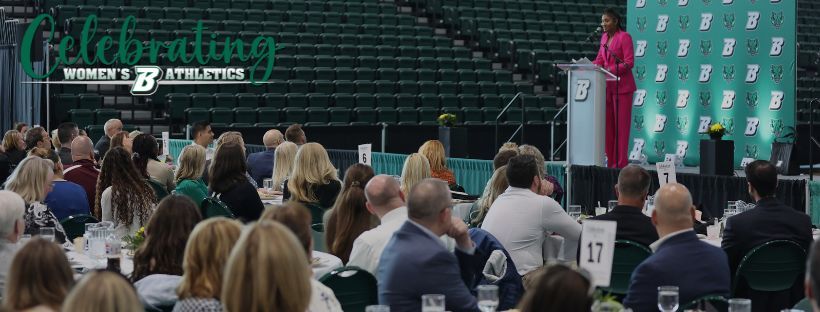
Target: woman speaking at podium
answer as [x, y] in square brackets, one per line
[617, 56]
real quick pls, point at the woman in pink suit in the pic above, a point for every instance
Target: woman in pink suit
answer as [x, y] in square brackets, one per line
[617, 56]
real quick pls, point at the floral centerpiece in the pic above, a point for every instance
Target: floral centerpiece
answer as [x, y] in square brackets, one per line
[716, 131]
[606, 302]
[446, 120]
[134, 242]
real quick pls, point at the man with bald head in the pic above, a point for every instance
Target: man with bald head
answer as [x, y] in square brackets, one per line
[260, 164]
[680, 258]
[83, 170]
[416, 262]
[386, 201]
[631, 191]
[111, 127]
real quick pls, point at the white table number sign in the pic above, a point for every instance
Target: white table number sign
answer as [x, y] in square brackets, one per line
[597, 250]
[166, 140]
[366, 154]
[666, 172]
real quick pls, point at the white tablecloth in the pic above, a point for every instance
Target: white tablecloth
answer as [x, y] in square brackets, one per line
[84, 263]
[323, 263]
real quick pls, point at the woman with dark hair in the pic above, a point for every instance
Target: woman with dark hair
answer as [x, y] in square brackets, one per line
[158, 261]
[125, 198]
[616, 55]
[122, 139]
[349, 217]
[229, 182]
[558, 288]
[146, 151]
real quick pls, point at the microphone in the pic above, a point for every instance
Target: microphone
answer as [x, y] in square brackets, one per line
[595, 34]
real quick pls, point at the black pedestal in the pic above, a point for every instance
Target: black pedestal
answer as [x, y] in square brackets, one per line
[454, 140]
[717, 157]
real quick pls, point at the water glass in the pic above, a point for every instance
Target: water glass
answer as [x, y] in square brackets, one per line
[713, 231]
[574, 211]
[487, 298]
[432, 303]
[268, 184]
[668, 298]
[740, 305]
[611, 205]
[47, 233]
[377, 308]
[23, 239]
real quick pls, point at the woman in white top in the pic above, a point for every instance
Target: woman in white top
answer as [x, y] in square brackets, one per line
[146, 152]
[129, 201]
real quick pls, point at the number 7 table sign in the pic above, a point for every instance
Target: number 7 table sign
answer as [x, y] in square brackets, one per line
[666, 172]
[597, 250]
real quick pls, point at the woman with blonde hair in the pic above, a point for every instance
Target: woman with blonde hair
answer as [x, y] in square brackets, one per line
[283, 159]
[66, 198]
[349, 218]
[416, 168]
[33, 180]
[15, 146]
[207, 252]
[189, 174]
[314, 179]
[267, 272]
[103, 291]
[495, 187]
[434, 151]
[39, 277]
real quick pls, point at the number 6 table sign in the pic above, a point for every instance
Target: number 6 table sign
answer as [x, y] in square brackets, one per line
[597, 250]
[365, 154]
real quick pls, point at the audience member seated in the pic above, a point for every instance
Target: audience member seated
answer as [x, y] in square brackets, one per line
[12, 225]
[314, 180]
[206, 254]
[189, 174]
[521, 219]
[297, 218]
[386, 201]
[55, 142]
[158, 261]
[125, 198]
[224, 138]
[83, 170]
[38, 137]
[494, 188]
[558, 288]
[549, 185]
[14, 151]
[111, 127]
[21, 127]
[203, 136]
[503, 157]
[434, 151]
[146, 152]
[32, 180]
[770, 220]
[267, 272]
[295, 134]
[631, 191]
[66, 198]
[680, 259]
[284, 157]
[416, 262]
[103, 291]
[124, 140]
[260, 165]
[229, 182]
[349, 217]
[416, 168]
[39, 277]
[66, 133]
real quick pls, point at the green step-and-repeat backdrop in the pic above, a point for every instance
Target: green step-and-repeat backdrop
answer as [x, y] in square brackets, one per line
[703, 61]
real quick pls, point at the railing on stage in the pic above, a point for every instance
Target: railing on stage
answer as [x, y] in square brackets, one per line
[504, 111]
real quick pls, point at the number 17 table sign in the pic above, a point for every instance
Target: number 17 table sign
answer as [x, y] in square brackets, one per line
[597, 250]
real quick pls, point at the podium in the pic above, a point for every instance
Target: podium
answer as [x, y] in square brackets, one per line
[586, 115]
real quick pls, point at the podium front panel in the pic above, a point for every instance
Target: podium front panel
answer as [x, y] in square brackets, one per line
[586, 118]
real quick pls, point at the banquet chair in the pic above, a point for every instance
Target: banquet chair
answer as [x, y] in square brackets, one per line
[213, 207]
[804, 305]
[707, 303]
[74, 226]
[316, 212]
[772, 266]
[317, 230]
[628, 255]
[354, 288]
[159, 189]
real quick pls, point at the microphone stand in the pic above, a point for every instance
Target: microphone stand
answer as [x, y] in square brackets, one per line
[618, 61]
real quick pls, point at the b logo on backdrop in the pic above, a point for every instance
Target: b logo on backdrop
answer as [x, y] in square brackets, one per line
[640, 48]
[683, 47]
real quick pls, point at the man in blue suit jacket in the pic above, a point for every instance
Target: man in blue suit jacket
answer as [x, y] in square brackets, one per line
[260, 164]
[680, 258]
[415, 261]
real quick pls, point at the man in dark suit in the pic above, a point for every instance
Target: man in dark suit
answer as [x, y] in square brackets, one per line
[260, 164]
[680, 258]
[631, 190]
[415, 261]
[770, 220]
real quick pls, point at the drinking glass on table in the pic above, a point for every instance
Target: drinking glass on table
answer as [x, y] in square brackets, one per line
[268, 185]
[574, 211]
[432, 303]
[487, 298]
[611, 205]
[668, 298]
[23, 239]
[47, 233]
[740, 305]
[377, 308]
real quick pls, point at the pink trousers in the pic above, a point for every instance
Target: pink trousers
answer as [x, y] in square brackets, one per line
[618, 122]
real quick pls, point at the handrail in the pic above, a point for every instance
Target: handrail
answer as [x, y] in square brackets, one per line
[521, 127]
[552, 133]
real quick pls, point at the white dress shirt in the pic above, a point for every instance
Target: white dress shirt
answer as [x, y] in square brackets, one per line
[654, 246]
[521, 220]
[368, 247]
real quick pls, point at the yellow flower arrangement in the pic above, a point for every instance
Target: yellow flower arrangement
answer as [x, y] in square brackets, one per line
[716, 131]
[446, 120]
[133, 242]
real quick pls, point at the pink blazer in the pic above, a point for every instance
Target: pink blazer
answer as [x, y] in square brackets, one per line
[622, 47]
